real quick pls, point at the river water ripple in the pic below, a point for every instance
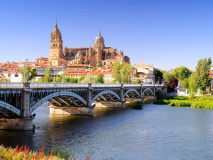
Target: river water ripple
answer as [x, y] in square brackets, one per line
[157, 132]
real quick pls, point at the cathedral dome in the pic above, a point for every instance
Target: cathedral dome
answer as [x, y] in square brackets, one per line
[99, 41]
[99, 36]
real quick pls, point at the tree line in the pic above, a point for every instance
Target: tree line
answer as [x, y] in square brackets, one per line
[194, 81]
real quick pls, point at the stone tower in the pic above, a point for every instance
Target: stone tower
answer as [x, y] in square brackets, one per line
[99, 41]
[56, 44]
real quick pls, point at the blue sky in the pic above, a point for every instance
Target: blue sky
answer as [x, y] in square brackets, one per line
[164, 33]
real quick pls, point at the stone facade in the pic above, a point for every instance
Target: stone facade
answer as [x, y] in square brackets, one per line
[99, 54]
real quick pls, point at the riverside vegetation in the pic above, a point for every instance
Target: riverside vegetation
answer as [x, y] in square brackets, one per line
[136, 106]
[23, 153]
[182, 101]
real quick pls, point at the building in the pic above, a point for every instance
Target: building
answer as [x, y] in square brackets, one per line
[41, 60]
[144, 72]
[93, 56]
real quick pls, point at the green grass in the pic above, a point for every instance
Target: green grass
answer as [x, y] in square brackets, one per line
[181, 101]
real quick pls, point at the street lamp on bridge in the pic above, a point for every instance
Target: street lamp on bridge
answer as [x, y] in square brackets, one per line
[62, 73]
[25, 72]
[78, 74]
[88, 70]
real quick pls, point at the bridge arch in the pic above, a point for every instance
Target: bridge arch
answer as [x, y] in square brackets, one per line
[159, 89]
[104, 92]
[10, 107]
[148, 89]
[131, 90]
[64, 93]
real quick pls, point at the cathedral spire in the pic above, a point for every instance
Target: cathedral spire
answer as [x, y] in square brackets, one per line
[56, 26]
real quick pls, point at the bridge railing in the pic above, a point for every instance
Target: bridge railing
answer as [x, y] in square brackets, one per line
[58, 85]
[11, 85]
[105, 85]
[160, 85]
[131, 85]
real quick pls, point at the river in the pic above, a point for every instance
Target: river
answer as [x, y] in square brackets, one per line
[157, 132]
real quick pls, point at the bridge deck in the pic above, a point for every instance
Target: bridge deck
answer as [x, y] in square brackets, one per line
[20, 85]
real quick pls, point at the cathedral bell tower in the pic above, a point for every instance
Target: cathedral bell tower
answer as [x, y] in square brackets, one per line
[56, 44]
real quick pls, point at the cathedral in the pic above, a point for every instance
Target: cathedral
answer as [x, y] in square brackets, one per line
[93, 56]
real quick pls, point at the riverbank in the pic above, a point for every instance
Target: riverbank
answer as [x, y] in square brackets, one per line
[182, 101]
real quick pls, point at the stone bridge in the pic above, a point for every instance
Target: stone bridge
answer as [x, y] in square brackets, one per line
[19, 100]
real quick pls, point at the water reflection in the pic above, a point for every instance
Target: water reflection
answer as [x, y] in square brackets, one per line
[156, 132]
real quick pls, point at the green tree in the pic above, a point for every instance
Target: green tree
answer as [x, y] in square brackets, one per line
[126, 70]
[87, 79]
[60, 77]
[137, 81]
[116, 74]
[94, 68]
[3, 80]
[168, 76]
[31, 73]
[185, 83]
[47, 75]
[70, 80]
[159, 75]
[202, 73]
[193, 83]
[99, 78]
[121, 72]
[181, 73]
[81, 78]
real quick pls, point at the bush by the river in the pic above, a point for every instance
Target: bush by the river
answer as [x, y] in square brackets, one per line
[181, 101]
[23, 153]
[137, 106]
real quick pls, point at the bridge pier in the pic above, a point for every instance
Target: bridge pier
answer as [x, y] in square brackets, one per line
[16, 123]
[134, 100]
[107, 104]
[24, 121]
[67, 110]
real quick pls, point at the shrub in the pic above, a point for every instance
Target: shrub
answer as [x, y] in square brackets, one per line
[137, 106]
[23, 153]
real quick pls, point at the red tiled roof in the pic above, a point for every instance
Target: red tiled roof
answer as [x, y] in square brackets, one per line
[77, 65]
[75, 70]
[55, 67]
[42, 58]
